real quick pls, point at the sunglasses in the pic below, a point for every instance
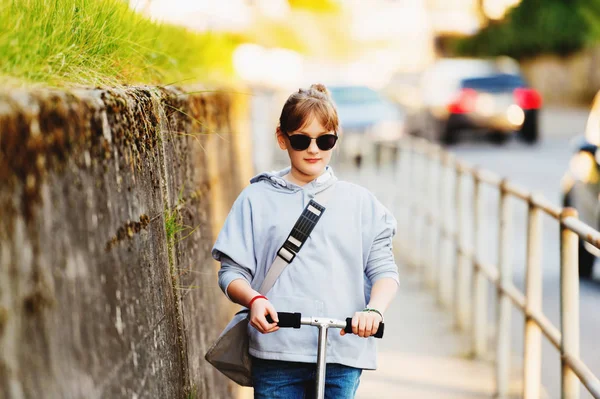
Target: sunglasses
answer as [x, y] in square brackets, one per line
[301, 142]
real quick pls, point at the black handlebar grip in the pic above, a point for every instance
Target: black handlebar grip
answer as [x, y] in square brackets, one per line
[378, 334]
[289, 320]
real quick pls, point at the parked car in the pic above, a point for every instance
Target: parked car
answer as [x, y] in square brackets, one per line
[367, 118]
[485, 95]
[580, 185]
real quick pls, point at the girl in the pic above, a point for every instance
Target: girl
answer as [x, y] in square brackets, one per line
[346, 266]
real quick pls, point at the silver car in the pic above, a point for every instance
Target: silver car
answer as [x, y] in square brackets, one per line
[367, 119]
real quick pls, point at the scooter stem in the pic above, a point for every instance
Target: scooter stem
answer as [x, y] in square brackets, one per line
[323, 324]
[321, 361]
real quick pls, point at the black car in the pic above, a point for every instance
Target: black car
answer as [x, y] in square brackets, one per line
[581, 185]
[475, 94]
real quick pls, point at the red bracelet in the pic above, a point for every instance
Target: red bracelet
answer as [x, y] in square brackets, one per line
[255, 298]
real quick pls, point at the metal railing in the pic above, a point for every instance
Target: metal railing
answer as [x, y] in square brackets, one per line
[431, 177]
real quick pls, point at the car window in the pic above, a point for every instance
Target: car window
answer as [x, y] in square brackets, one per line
[494, 83]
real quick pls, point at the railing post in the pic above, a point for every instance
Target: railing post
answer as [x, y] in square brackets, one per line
[461, 286]
[444, 276]
[504, 305]
[445, 281]
[569, 303]
[403, 164]
[423, 203]
[418, 204]
[412, 212]
[479, 280]
[533, 295]
[433, 201]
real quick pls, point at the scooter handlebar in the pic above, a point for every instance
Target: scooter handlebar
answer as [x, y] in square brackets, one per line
[293, 320]
[378, 334]
[287, 320]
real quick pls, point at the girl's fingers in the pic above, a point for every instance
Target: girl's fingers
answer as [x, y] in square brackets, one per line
[355, 324]
[375, 327]
[272, 329]
[255, 326]
[273, 313]
[368, 326]
[262, 321]
[362, 324]
[261, 326]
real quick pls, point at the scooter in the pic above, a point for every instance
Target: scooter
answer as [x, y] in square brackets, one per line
[295, 320]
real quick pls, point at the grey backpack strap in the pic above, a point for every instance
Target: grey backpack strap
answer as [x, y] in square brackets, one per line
[292, 245]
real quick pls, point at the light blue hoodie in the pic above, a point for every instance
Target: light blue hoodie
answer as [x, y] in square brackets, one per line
[349, 249]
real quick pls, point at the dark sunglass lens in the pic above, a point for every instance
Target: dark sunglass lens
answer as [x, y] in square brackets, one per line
[299, 142]
[326, 142]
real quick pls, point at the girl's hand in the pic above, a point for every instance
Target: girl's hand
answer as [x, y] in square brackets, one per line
[364, 324]
[258, 312]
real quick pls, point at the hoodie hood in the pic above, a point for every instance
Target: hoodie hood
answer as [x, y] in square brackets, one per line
[276, 180]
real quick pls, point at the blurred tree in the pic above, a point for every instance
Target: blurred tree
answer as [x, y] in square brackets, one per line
[536, 27]
[590, 10]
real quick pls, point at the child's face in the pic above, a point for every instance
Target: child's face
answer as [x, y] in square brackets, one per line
[310, 162]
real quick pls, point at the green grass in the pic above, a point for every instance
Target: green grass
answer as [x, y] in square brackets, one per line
[193, 393]
[172, 225]
[103, 43]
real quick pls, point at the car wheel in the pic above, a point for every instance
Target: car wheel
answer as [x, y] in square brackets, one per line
[498, 138]
[586, 262]
[449, 135]
[586, 259]
[529, 130]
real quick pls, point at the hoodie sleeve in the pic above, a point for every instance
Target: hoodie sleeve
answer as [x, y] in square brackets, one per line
[234, 247]
[380, 261]
[231, 271]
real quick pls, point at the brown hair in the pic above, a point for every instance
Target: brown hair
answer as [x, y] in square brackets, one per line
[312, 102]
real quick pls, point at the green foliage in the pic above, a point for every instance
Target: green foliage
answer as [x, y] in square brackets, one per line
[103, 42]
[172, 224]
[536, 27]
[193, 392]
[590, 11]
[173, 220]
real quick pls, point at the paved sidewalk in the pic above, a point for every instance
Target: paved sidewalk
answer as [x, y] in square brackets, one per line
[423, 356]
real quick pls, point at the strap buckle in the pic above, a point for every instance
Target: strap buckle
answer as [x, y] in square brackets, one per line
[300, 232]
[286, 253]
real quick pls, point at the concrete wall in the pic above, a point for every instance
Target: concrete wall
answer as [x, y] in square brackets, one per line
[109, 205]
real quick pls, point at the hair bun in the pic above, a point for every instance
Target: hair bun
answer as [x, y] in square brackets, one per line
[320, 88]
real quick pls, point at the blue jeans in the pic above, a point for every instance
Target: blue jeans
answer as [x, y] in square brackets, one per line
[275, 379]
